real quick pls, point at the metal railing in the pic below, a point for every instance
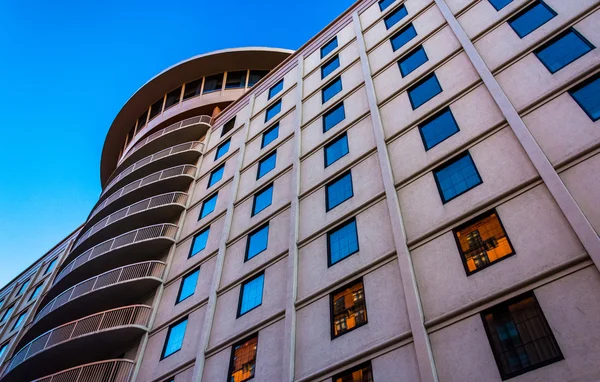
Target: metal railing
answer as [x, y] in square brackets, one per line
[114, 370]
[166, 230]
[138, 315]
[110, 278]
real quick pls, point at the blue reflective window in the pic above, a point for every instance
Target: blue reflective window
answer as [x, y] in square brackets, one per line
[396, 15]
[51, 266]
[273, 110]
[175, 337]
[330, 66]
[23, 287]
[3, 350]
[199, 242]
[208, 206]
[332, 89]
[216, 175]
[587, 95]
[338, 191]
[499, 4]
[336, 149]
[270, 135]
[275, 89]
[257, 242]
[188, 285]
[438, 128]
[266, 164]
[383, 4]
[457, 177]
[36, 292]
[412, 61]
[333, 117]
[425, 90]
[251, 294]
[562, 50]
[403, 36]
[531, 18]
[7, 313]
[262, 200]
[19, 321]
[342, 242]
[329, 47]
[222, 149]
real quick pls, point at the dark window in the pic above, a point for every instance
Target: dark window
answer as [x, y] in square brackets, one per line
[188, 285]
[19, 321]
[222, 149]
[243, 360]
[403, 36]
[360, 373]
[174, 340]
[562, 50]
[273, 110]
[255, 76]
[342, 242]
[266, 164]
[208, 206]
[587, 96]
[142, 120]
[51, 266]
[383, 4]
[332, 89]
[173, 98]
[423, 91]
[199, 242]
[395, 16]
[531, 18]
[156, 108]
[36, 292]
[329, 47]
[339, 191]
[262, 200]
[228, 127]
[213, 83]
[457, 177]
[23, 287]
[412, 61]
[499, 4]
[333, 117]
[192, 89]
[235, 80]
[270, 135]
[257, 242]
[330, 66]
[7, 313]
[131, 134]
[336, 149]
[482, 241]
[438, 128]
[520, 336]
[348, 309]
[3, 350]
[216, 175]
[275, 89]
[251, 293]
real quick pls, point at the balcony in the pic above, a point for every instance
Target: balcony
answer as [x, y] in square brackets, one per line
[114, 370]
[101, 335]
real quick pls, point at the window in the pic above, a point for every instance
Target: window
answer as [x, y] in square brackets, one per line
[51, 266]
[7, 313]
[257, 242]
[499, 4]
[360, 373]
[216, 175]
[273, 110]
[255, 76]
[275, 89]
[213, 83]
[482, 241]
[562, 50]
[270, 135]
[199, 242]
[188, 285]
[383, 4]
[395, 16]
[403, 36]
[348, 309]
[262, 200]
[423, 91]
[243, 360]
[266, 164]
[222, 149]
[339, 191]
[330, 66]
[192, 89]
[329, 47]
[520, 336]
[586, 95]
[175, 336]
[251, 294]
[333, 117]
[23, 287]
[1, 303]
[36, 292]
[412, 61]
[3, 349]
[173, 98]
[332, 89]
[236, 80]
[19, 321]
[457, 177]
[142, 120]
[531, 18]
[342, 242]
[438, 128]
[208, 206]
[156, 108]
[228, 127]
[336, 149]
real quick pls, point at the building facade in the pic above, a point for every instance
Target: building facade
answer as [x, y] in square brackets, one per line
[410, 196]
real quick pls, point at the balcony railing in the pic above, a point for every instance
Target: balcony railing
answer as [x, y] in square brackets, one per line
[107, 279]
[114, 370]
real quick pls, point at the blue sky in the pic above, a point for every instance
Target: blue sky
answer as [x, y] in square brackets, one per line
[66, 68]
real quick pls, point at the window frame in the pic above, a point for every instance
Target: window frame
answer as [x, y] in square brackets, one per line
[330, 85]
[228, 127]
[409, 54]
[335, 229]
[263, 160]
[200, 217]
[331, 308]
[557, 37]
[273, 106]
[274, 87]
[581, 85]
[232, 355]
[20, 321]
[177, 300]
[274, 126]
[392, 13]
[254, 197]
[422, 81]
[406, 28]
[351, 370]
[191, 254]
[431, 119]
[226, 142]
[451, 161]
[333, 142]
[524, 11]
[255, 231]
[4, 350]
[335, 180]
[8, 311]
[162, 353]
[331, 111]
[52, 263]
[241, 296]
[326, 45]
[40, 286]
[386, 6]
[220, 167]
[335, 58]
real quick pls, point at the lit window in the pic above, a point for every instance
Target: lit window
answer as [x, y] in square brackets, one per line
[243, 360]
[342, 242]
[275, 89]
[333, 117]
[19, 321]
[236, 80]
[332, 89]
[36, 292]
[7, 313]
[51, 266]
[228, 127]
[330, 66]
[156, 108]
[192, 89]
[257, 242]
[531, 18]
[339, 191]
[199, 242]
[412, 61]
[383, 4]
[438, 128]
[520, 336]
[499, 4]
[457, 177]
[213, 83]
[349, 310]
[208, 206]
[222, 149]
[251, 293]
[423, 91]
[175, 336]
[270, 135]
[3, 350]
[273, 110]
[262, 200]
[336, 149]
[188, 285]
[394, 17]
[173, 98]
[329, 47]
[216, 175]
[23, 287]
[360, 373]
[586, 95]
[255, 76]
[562, 50]
[266, 164]
[403, 36]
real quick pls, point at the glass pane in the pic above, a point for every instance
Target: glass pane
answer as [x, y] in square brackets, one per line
[216, 175]
[228, 127]
[457, 177]
[36, 292]
[255, 76]
[342, 242]
[273, 110]
[266, 165]
[188, 285]
[401, 38]
[142, 120]
[175, 338]
[208, 206]
[412, 61]
[257, 242]
[200, 241]
[222, 149]
[173, 98]
[262, 200]
[243, 361]
[252, 294]
[339, 191]
[336, 149]
[394, 17]
[213, 83]
[499, 4]
[156, 108]
[275, 89]
[588, 97]
[270, 135]
[333, 117]
[383, 4]
[236, 80]
[349, 309]
[424, 91]
[531, 18]
[329, 47]
[7, 313]
[51, 266]
[438, 128]
[563, 50]
[330, 66]
[332, 89]
[192, 89]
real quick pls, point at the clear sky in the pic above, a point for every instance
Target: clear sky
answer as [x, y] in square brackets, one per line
[66, 68]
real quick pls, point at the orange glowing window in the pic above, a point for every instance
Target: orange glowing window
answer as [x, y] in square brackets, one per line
[360, 373]
[482, 242]
[243, 360]
[349, 309]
